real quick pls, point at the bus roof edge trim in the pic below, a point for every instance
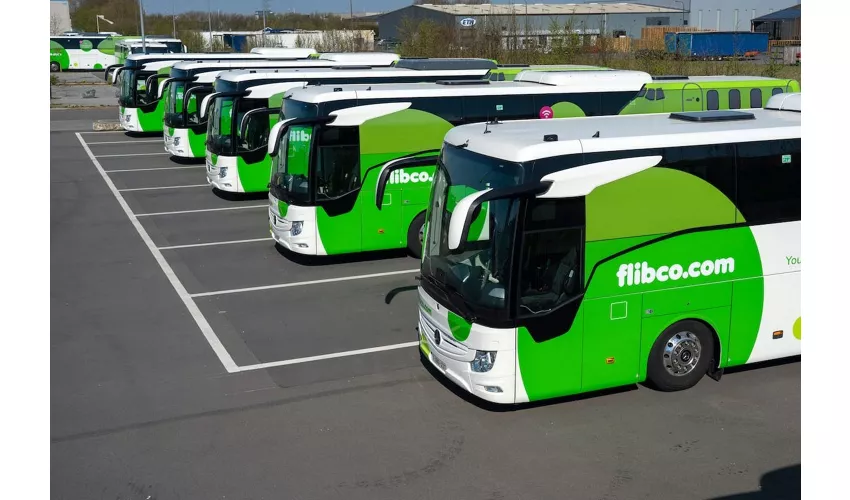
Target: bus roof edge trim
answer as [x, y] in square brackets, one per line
[356, 116]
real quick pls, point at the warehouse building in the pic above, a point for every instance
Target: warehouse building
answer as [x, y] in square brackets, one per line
[60, 17]
[780, 25]
[536, 19]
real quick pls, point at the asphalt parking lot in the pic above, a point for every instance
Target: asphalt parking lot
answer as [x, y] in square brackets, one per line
[190, 358]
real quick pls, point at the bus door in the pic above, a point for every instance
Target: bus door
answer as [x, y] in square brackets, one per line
[692, 97]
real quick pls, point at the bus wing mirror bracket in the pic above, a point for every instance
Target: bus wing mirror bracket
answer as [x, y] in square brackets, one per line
[581, 180]
[161, 88]
[243, 126]
[467, 208]
[277, 131]
[397, 164]
[206, 103]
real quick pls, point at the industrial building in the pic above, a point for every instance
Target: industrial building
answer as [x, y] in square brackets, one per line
[780, 25]
[60, 17]
[536, 19]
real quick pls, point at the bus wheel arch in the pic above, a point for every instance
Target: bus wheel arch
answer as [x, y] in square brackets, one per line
[682, 354]
[415, 235]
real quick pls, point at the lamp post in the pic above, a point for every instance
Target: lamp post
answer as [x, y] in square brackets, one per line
[142, 21]
[98, 19]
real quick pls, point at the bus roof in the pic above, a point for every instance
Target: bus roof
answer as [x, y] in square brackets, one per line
[271, 65]
[527, 82]
[362, 57]
[293, 52]
[246, 75]
[445, 63]
[716, 81]
[528, 140]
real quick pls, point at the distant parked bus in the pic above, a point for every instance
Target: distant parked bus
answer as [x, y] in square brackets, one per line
[71, 52]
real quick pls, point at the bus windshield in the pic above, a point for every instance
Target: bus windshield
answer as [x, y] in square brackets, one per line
[127, 93]
[290, 172]
[478, 277]
[335, 158]
[221, 123]
[174, 104]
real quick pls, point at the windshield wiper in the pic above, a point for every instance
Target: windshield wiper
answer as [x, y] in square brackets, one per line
[460, 304]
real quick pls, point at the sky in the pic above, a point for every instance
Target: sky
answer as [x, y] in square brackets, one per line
[342, 6]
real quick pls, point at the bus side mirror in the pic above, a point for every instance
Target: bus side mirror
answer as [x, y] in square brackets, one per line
[274, 137]
[469, 207]
[161, 89]
[398, 164]
[205, 104]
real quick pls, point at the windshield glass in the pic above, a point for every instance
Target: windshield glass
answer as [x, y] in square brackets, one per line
[221, 123]
[478, 277]
[290, 171]
[298, 109]
[128, 79]
[174, 104]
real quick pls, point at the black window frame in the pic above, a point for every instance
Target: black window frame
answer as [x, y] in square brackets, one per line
[756, 98]
[712, 94]
[737, 99]
[760, 198]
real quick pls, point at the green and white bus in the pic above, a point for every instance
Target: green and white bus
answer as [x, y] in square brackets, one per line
[569, 256]
[73, 52]
[189, 82]
[186, 131]
[674, 93]
[237, 141]
[325, 201]
[507, 72]
[141, 109]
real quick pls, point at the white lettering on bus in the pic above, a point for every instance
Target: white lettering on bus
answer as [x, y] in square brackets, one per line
[642, 273]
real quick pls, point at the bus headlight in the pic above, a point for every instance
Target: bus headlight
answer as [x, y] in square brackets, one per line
[176, 141]
[222, 172]
[297, 227]
[483, 361]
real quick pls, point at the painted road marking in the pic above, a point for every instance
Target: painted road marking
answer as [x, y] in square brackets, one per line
[357, 352]
[200, 320]
[131, 154]
[163, 187]
[201, 210]
[150, 169]
[303, 283]
[123, 142]
[214, 243]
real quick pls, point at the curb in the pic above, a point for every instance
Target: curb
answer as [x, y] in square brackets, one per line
[106, 125]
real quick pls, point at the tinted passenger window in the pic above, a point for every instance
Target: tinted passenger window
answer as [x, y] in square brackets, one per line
[447, 108]
[337, 162]
[712, 100]
[768, 176]
[659, 94]
[483, 108]
[775, 91]
[755, 98]
[551, 260]
[650, 95]
[734, 99]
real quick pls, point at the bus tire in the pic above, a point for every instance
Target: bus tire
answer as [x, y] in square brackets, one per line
[414, 235]
[680, 356]
[54, 67]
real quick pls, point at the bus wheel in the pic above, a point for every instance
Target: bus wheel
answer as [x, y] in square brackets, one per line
[415, 235]
[54, 67]
[680, 356]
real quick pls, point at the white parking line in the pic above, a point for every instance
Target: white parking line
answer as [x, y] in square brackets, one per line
[149, 169]
[260, 366]
[245, 207]
[214, 243]
[124, 142]
[132, 154]
[214, 342]
[162, 187]
[302, 283]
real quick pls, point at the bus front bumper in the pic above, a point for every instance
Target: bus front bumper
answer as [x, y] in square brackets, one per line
[453, 359]
[297, 231]
[222, 174]
[129, 119]
[177, 144]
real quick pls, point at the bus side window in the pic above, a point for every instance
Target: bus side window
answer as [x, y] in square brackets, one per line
[501, 77]
[776, 90]
[551, 261]
[659, 94]
[494, 77]
[712, 100]
[768, 177]
[755, 98]
[507, 107]
[447, 108]
[734, 99]
[650, 95]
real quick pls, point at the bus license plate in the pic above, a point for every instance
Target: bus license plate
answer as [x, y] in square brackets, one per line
[437, 361]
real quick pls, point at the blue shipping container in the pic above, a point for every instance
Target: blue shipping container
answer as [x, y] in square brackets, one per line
[720, 44]
[670, 41]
